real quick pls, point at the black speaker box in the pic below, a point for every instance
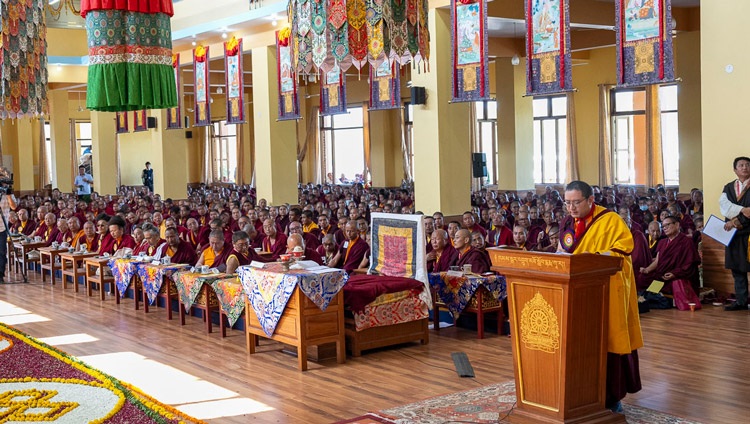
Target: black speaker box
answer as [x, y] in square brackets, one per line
[188, 134]
[151, 122]
[479, 165]
[418, 96]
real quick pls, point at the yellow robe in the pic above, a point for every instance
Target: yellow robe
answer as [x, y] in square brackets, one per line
[609, 233]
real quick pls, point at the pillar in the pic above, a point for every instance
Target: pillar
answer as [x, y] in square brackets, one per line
[24, 170]
[275, 141]
[524, 128]
[169, 158]
[104, 152]
[442, 144]
[60, 145]
[688, 65]
[506, 124]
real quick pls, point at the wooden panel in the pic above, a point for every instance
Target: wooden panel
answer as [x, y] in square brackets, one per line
[715, 275]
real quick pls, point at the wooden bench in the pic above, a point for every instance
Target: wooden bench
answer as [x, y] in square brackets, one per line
[95, 268]
[71, 265]
[47, 261]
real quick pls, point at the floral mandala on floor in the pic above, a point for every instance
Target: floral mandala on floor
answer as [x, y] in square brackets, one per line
[39, 383]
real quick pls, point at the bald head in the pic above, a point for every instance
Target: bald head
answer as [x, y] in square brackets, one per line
[293, 241]
[461, 239]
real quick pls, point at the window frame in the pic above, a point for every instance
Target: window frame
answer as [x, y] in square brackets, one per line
[327, 133]
[550, 116]
[492, 156]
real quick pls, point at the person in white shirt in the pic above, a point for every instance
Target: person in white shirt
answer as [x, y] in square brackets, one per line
[83, 182]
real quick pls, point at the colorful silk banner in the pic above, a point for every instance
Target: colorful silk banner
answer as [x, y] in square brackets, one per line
[644, 42]
[122, 122]
[471, 80]
[287, 80]
[233, 80]
[202, 86]
[548, 64]
[332, 92]
[139, 120]
[385, 86]
[174, 114]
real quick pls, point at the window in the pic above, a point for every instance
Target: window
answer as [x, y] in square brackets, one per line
[409, 136]
[629, 134]
[224, 145]
[550, 139]
[486, 134]
[82, 131]
[344, 145]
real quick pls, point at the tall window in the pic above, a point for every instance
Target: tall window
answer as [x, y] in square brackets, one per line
[224, 143]
[486, 133]
[629, 133]
[550, 139]
[82, 130]
[344, 143]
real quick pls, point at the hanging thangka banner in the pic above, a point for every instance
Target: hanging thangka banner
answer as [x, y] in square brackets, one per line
[385, 86]
[174, 114]
[470, 81]
[287, 80]
[122, 122]
[139, 120]
[202, 85]
[233, 79]
[644, 42]
[332, 92]
[548, 65]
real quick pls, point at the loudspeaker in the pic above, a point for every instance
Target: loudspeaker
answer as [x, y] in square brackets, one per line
[479, 165]
[150, 122]
[188, 134]
[418, 96]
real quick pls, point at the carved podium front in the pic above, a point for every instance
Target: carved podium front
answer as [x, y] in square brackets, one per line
[558, 310]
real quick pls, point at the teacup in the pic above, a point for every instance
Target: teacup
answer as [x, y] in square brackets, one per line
[285, 257]
[297, 255]
[166, 260]
[55, 245]
[37, 239]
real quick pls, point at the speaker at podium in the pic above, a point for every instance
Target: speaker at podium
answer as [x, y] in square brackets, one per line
[479, 165]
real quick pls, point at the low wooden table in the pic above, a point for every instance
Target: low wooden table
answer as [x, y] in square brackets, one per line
[47, 257]
[93, 264]
[22, 252]
[71, 265]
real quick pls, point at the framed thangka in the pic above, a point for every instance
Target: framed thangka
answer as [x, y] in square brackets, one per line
[548, 64]
[470, 81]
[332, 92]
[233, 80]
[174, 114]
[385, 86]
[140, 123]
[644, 42]
[202, 104]
[121, 122]
[287, 80]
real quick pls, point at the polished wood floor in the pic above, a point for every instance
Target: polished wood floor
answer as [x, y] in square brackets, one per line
[694, 365]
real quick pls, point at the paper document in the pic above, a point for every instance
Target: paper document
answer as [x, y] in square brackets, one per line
[714, 228]
[656, 286]
[321, 270]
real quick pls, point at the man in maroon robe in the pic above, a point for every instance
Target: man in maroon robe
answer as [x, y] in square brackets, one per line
[25, 225]
[179, 251]
[118, 239]
[443, 255]
[216, 254]
[310, 239]
[242, 254]
[354, 252]
[469, 255]
[676, 259]
[274, 242]
[327, 250]
[154, 243]
[500, 234]
[470, 224]
[641, 255]
[295, 241]
[50, 233]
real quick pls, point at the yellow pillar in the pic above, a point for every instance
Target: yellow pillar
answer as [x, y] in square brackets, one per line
[506, 123]
[442, 145]
[688, 65]
[60, 145]
[24, 164]
[104, 152]
[275, 141]
[524, 125]
[379, 133]
[169, 158]
[725, 71]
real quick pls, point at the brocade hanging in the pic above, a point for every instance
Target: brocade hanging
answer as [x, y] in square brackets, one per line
[174, 114]
[234, 81]
[470, 82]
[548, 65]
[287, 78]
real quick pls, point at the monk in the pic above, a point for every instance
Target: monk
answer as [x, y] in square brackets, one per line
[50, 233]
[25, 226]
[327, 250]
[520, 238]
[354, 252]
[295, 240]
[676, 259]
[469, 255]
[274, 242]
[216, 254]
[478, 243]
[64, 235]
[295, 227]
[242, 254]
[75, 229]
[90, 238]
[553, 238]
[154, 245]
[179, 251]
[593, 229]
[443, 255]
[470, 224]
[500, 234]
[192, 236]
[641, 255]
[118, 239]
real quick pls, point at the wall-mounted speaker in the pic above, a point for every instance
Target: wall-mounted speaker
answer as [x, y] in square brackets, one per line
[479, 165]
[418, 95]
[151, 122]
[188, 134]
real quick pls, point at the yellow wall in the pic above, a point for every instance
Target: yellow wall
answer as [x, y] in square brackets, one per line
[688, 68]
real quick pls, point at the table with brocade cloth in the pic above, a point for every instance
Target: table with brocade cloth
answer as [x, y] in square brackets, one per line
[123, 271]
[231, 299]
[152, 278]
[296, 307]
[196, 292]
[459, 292]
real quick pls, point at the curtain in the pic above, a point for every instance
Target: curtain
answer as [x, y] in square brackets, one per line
[43, 175]
[310, 144]
[367, 144]
[240, 146]
[406, 147]
[654, 154]
[207, 172]
[606, 172]
[571, 165]
[1, 152]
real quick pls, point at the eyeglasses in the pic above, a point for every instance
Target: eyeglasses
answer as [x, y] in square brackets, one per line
[575, 203]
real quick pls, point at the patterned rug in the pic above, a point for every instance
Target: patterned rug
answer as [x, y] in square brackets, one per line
[39, 383]
[488, 404]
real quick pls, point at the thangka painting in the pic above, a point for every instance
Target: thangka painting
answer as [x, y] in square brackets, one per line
[332, 92]
[122, 122]
[287, 80]
[385, 86]
[202, 85]
[398, 247]
[548, 64]
[644, 42]
[139, 120]
[469, 51]
[233, 80]
[174, 114]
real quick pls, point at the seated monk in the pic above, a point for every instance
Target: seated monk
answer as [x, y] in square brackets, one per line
[242, 254]
[25, 226]
[295, 240]
[470, 224]
[140, 239]
[216, 254]
[75, 230]
[295, 227]
[641, 254]
[654, 235]
[118, 239]
[327, 250]
[477, 242]
[553, 238]
[469, 255]
[179, 251]
[274, 242]
[500, 234]
[90, 238]
[154, 245]
[443, 255]
[64, 235]
[676, 259]
[519, 237]
[354, 252]
[193, 234]
[50, 233]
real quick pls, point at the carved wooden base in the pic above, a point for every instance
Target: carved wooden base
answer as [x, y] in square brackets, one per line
[519, 416]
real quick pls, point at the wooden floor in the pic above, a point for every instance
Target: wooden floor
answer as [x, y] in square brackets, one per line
[694, 365]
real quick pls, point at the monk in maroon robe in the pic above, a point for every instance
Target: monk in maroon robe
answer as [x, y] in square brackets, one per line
[676, 259]
[242, 254]
[275, 241]
[25, 225]
[443, 255]
[216, 254]
[295, 240]
[469, 223]
[354, 252]
[641, 254]
[179, 251]
[118, 239]
[500, 234]
[50, 233]
[469, 255]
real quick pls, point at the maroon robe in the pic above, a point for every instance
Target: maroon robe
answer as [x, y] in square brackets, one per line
[357, 252]
[185, 254]
[110, 245]
[28, 230]
[66, 237]
[641, 255]
[147, 249]
[278, 248]
[478, 260]
[447, 259]
[245, 260]
[91, 246]
[191, 238]
[311, 254]
[41, 230]
[311, 240]
[678, 256]
[502, 236]
[478, 228]
[50, 236]
[220, 260]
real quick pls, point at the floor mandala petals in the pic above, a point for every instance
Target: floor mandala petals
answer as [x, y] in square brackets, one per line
[39, 383]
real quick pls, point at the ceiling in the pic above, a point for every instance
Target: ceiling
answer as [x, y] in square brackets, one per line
[675, 3]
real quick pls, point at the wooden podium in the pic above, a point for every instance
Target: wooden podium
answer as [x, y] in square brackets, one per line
[558, 315]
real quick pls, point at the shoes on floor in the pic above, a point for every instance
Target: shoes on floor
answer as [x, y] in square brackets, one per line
[616, 408]
[735, 307]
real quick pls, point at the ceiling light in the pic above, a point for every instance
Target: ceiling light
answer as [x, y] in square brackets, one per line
[223, 35]
[515, 60]
[193, 43]
[273, 23]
